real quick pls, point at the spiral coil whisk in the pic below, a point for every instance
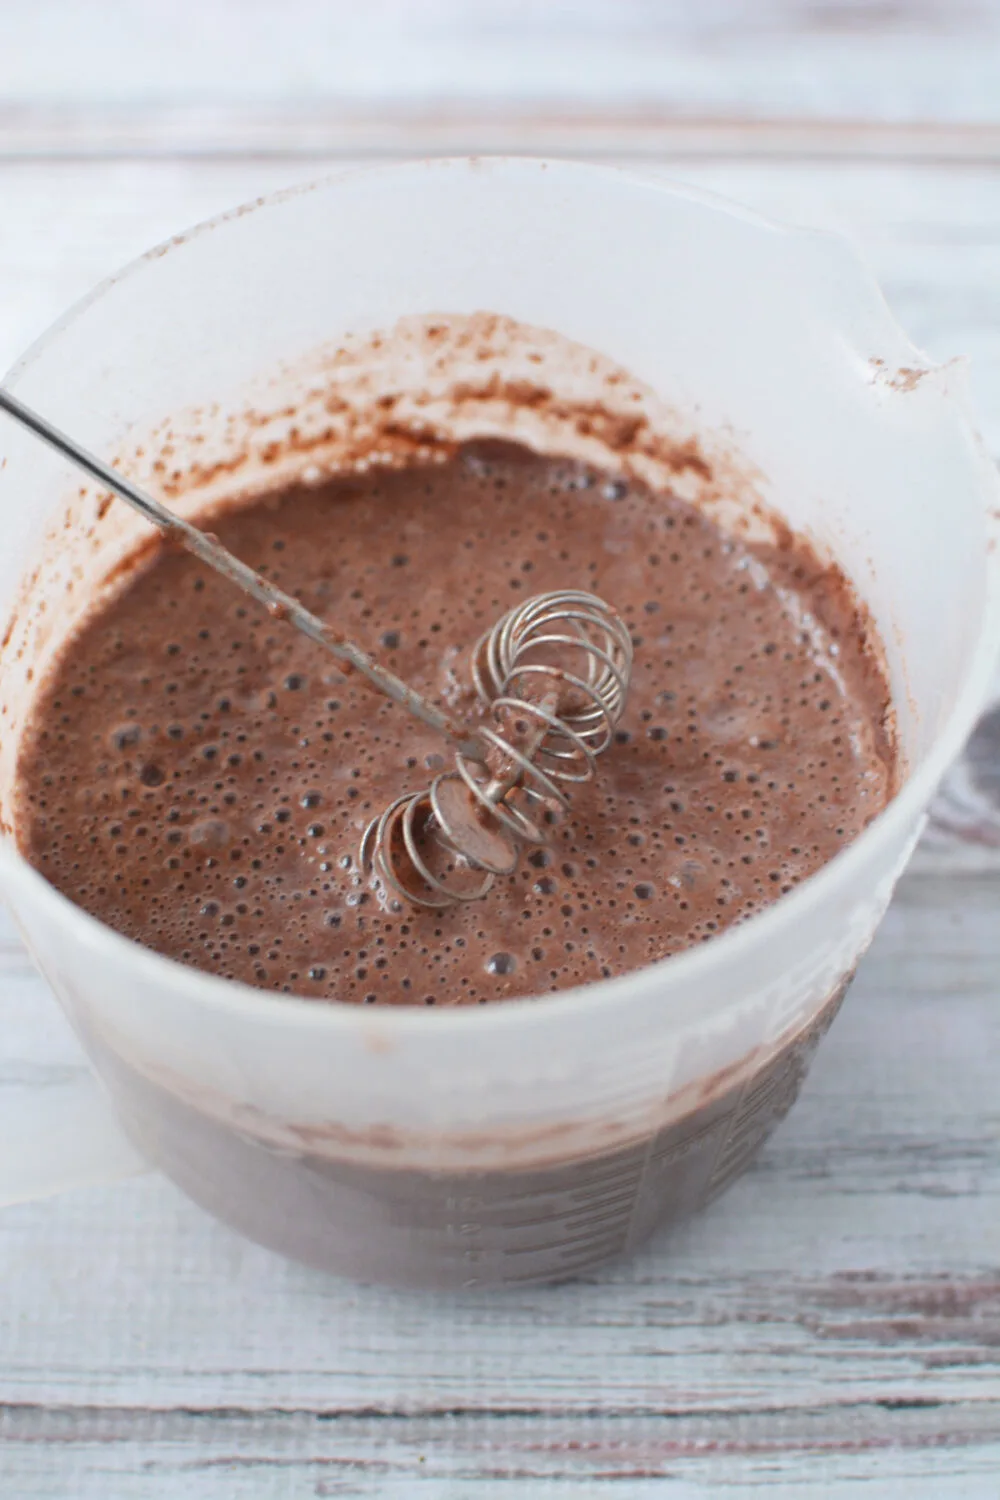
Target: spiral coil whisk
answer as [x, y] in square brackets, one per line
[554, 674]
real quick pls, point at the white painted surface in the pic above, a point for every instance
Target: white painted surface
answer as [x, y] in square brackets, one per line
[833, 1325]
[809, 59]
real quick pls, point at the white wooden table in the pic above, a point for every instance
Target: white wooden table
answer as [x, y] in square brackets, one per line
[832, 1325]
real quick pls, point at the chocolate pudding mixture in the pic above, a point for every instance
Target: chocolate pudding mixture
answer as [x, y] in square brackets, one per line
[197, 774]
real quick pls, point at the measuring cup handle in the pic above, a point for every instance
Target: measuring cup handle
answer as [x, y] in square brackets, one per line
[63, 1137]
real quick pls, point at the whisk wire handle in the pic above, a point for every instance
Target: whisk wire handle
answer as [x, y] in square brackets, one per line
[210, 550]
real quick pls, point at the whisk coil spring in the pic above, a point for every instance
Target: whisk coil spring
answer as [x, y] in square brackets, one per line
[554, 673]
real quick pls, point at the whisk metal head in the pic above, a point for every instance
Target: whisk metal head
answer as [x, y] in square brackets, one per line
[554, 673]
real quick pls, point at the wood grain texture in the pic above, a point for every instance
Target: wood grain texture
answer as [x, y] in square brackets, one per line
[917, 79]
[848, 60]
[831, 1327]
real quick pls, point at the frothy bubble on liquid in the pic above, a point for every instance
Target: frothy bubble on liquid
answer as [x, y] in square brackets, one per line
[209, 800]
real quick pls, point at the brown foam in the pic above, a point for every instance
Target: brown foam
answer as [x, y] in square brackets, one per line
[197, 774]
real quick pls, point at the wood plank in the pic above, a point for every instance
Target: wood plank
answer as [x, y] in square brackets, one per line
[228, 1455]
[321, 131]
[720, 59]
